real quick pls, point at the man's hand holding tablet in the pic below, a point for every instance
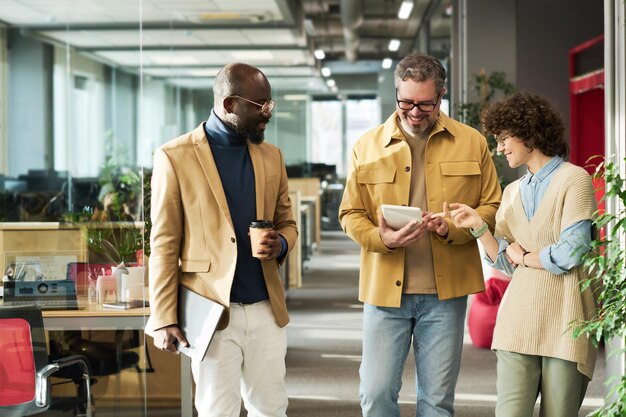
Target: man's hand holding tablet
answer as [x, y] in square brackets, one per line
[397, 217]
[400, 225]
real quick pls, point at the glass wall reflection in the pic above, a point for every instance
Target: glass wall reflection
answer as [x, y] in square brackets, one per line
[84, 102]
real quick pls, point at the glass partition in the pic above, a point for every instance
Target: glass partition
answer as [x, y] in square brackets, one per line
[88, 91]
[72, 224]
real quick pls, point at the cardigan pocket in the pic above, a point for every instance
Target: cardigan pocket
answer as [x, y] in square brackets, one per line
[461, 182]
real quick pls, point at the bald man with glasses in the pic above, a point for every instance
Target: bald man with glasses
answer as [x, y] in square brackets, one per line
[208, 185]
[414, 281]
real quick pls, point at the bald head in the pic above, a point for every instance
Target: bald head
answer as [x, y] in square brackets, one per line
[237, 79]
[240, 92]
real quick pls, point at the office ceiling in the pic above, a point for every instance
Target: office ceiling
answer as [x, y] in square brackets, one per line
[187, 41]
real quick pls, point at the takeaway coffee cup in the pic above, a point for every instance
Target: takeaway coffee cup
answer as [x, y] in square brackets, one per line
[257, 228]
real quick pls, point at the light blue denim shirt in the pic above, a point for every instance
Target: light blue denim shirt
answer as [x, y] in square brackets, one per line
[561, 256]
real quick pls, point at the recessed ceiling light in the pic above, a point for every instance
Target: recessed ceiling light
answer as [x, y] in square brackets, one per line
[394, 45]
[405, 9]
[330, 82]
[326, 72]
[319, 54]
[387, 63]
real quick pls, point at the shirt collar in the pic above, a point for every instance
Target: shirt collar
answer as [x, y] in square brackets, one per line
[546, 170]
[219, 133]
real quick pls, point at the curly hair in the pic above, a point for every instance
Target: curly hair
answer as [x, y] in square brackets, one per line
[530, 118]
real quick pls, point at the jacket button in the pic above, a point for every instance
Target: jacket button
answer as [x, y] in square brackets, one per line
[232, 239]
[407, 169]
[398, 283]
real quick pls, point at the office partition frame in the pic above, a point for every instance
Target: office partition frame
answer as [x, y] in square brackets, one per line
[615, 136]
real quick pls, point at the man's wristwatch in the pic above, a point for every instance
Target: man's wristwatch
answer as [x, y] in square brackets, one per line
[480, 231]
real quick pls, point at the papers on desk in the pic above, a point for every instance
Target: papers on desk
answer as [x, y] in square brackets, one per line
[197, 318]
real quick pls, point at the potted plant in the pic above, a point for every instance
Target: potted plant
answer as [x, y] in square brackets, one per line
[113, 235]
[486, 87]
[112, 231]
[606, 266]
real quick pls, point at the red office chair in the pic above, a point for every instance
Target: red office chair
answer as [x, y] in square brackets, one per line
[25, 368]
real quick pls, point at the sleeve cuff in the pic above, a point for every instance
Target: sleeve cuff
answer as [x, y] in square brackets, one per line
[545, 257]
[283, 250]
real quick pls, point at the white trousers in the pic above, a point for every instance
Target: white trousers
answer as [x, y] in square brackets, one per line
[245, 360]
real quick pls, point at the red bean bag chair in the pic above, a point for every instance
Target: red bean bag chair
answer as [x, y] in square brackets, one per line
[483, 311]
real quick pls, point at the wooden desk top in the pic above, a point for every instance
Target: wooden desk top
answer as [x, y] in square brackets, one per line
[96, 310]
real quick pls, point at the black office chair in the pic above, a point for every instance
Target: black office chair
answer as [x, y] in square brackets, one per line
[106, 358]
[25, 367]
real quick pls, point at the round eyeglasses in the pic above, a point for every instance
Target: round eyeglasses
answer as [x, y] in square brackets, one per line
[266, 107]
[424, 106]
[502, 138]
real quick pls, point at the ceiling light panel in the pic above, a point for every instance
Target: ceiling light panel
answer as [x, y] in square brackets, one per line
[174, 37]
[207, 57]
[40, 12]
[406, 7]
[394, 45]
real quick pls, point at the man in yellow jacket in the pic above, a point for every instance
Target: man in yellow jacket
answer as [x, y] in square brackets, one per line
[414, 281]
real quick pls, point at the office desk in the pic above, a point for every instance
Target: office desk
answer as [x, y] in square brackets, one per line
[95, 317]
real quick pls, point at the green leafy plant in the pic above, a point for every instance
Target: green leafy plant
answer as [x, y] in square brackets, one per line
[111, 229]
[606, 266]
[485, 88]
[147, 194]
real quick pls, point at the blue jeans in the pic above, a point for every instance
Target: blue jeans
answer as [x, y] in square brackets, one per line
[436, 328]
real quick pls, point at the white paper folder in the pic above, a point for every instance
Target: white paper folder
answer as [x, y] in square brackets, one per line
[197, 318]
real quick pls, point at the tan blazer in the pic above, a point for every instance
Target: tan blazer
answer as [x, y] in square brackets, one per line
[193, 239]
[459, 169]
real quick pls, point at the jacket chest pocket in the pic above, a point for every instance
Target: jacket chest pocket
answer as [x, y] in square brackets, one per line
[461, 182]
[378, 185]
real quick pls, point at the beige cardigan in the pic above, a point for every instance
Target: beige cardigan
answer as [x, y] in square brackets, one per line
[538, 307]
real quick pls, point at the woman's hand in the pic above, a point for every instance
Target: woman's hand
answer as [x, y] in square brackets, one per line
[462, 215]
[514, 253]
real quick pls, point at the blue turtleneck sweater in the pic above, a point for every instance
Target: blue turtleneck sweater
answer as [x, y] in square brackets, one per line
[230, 151]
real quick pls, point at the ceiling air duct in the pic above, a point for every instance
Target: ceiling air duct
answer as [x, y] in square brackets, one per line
[351, 19]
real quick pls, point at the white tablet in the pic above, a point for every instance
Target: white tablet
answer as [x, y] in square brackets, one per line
[399, 216]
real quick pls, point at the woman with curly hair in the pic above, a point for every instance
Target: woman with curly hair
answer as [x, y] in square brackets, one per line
[543, 227]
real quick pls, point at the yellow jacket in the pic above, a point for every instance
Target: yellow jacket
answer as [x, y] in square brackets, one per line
[193, 239]
[459, 169]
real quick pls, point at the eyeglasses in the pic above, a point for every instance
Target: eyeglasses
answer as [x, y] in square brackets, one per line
[502, 138]
[422, 105]
[266, 107]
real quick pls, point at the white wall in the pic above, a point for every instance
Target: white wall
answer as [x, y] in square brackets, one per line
[28, 93]
[79, 127]
[151, 131]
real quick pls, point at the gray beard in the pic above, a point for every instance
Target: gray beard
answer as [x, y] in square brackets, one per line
[237, 127]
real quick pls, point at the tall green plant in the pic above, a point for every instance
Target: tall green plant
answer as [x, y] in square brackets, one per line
[606, 266]
[485, 88]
